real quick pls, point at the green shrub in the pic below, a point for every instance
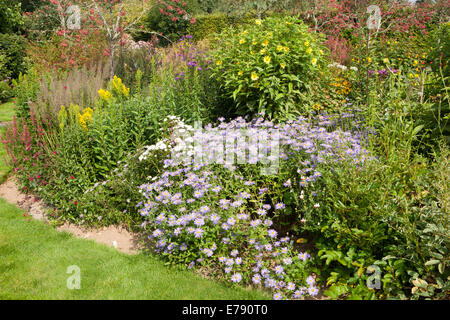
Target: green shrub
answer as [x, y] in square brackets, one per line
[10, 16]
[6, 92]
[268, 66]
[171, 21]
[12, 46]
[207, 25]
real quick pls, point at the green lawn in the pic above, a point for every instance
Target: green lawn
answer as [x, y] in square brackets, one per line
[7, 111]
[34, 258]
[6, 114]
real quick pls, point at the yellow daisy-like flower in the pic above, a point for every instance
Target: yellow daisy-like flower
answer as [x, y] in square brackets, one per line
[258, 22]
[279, 48]
[267, 59]
[262, 51]
[306, 43]
[286, 49]
[321, 51]
[254, 42]
[415, 63]
[252, 53]
[219, 63]
[314, 61]
[410, 75]
[254, 76]
[309, 50]
[242, 41]
[416, 75]
[240, 72]
[369, 59]
[265, 43]
[282, 65]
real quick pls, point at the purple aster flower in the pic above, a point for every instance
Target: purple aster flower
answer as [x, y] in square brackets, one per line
[279, 206]
[313, 291]
[231, 221]
[199, 222]
[236, 277]
[204, 209]
[310, 280]
[272, 233]
[261, 212]
[277, 296]
[214, 218]
[290, 286]
[256, 279]
[198, 233]
[255, 223]
[234, 253]
[279, 269]
[270, 283]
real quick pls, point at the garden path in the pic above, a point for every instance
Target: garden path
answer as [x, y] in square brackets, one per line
[113, 236]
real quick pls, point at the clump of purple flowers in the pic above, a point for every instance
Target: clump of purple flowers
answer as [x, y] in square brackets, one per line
[192, 57]
[191, 211]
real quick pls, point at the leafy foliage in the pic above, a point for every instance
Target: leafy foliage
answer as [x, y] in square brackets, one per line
[268, 66]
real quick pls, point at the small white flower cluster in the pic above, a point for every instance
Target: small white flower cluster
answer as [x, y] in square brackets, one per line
[340, 66]
[177, 129]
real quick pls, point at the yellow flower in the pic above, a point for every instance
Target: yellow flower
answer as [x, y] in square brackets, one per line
[369, 59]
[251, 52]
[286, 49]
[416, 75]
[279, 47]
[104, 94]
[386, 60]
[240, 72]
[321, 51]
[267, 59]
[242, 41]
[254, 76]
[306, 43]
[282, 65]
[85, 117]
[254, 42]
[410, 75]
[219, 63]
[265, 43]
[262, 51]
[309, 50]
[258, 22]
[314, 61]
[125, 91]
